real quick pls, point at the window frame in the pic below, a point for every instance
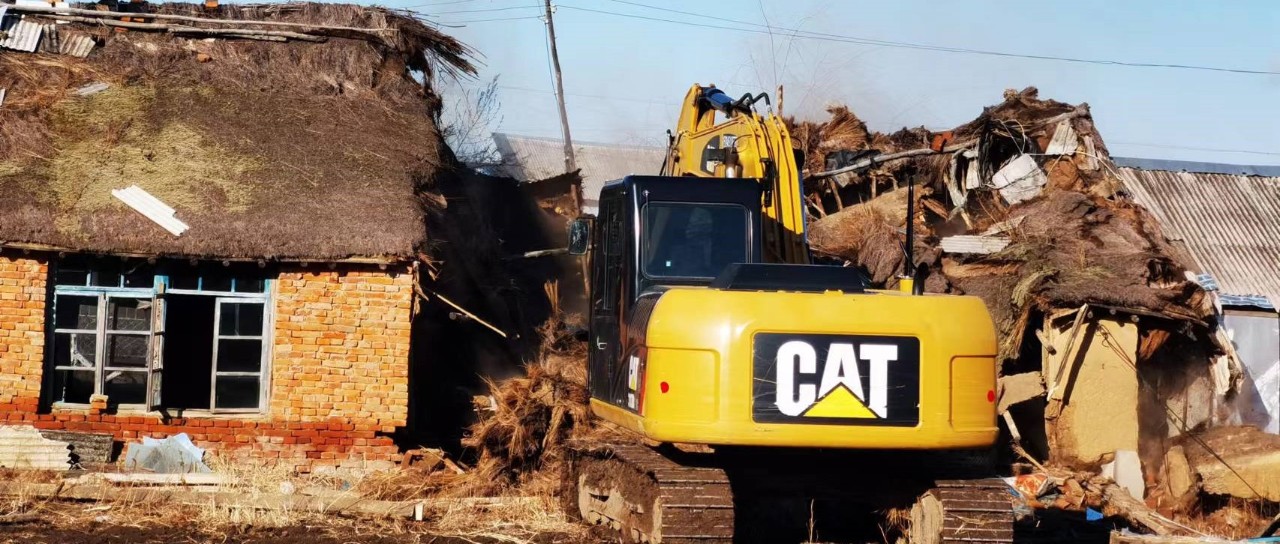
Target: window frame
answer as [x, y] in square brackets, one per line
[641, 251]
[218, 337]
[101, 333]
[156, 294]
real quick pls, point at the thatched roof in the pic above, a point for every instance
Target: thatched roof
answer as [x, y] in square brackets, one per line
[315, 148]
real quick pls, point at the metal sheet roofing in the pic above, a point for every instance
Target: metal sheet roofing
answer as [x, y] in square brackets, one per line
[1230, 224]
[1198, 167]
[20, 34]
[529, 158]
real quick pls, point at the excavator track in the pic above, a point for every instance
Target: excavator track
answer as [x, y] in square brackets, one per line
[976, 511]
[642, 496]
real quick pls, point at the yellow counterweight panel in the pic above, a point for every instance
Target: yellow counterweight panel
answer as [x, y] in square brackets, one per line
[700, 344]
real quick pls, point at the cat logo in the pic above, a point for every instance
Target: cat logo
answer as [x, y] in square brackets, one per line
[836, 379]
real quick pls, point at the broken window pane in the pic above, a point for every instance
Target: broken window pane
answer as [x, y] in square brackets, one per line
[128, 314]
[76, 312]
[216, 282]
[143, 277]
[125, 387]
[105, 277]
[250, 285]
[127, 350]
[75, 349]
[72, 386]
[236, 392]
[184, 280]
[241, 319]
[236, 355]
[71, 275]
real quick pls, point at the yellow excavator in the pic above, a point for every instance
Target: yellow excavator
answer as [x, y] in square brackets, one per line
[730, 358]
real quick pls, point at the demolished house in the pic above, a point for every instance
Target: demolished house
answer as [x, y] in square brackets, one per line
[214, 228]
[1111, 354]
[1225, 221]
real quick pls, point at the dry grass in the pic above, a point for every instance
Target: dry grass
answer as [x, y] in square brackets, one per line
[524, 429]
[105, 142]
[515, 519]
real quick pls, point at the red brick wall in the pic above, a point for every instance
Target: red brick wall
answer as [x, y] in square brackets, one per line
[22, 307]
[339, 370]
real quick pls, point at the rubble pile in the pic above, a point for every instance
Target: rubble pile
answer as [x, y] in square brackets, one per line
[1116, 378]
[524, 422]
[1056, 236]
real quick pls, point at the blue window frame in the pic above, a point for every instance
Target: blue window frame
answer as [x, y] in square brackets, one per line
[107, 335]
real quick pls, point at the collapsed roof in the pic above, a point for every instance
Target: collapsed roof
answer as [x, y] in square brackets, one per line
[286, 131]
[1021, 207]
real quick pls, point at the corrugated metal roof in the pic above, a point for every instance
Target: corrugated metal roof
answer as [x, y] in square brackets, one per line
[1229, 223]
[1199, 167]
[529, 158]
[21, 35]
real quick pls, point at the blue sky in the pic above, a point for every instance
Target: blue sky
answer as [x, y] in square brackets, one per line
[625, 75]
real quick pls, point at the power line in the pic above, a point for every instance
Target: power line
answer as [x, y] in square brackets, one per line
[822, 36]
[438, 4]
[488, 20]
[509, 8]
[596, 96]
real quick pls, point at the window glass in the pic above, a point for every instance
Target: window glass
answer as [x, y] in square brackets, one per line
[236, 392]
[686, 240]
[241, 320]
[76, 312]
[75, 349]
[127, 351]
[235, 355]
[126, 387]
[72, 386]
[128, 314]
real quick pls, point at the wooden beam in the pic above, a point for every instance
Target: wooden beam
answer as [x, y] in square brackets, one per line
[28, 246]
[166, 17]
[269, 35]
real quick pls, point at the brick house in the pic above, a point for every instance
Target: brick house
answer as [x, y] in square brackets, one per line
[278, 325]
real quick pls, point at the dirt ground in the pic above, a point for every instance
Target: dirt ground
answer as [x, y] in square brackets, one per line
[73, 522]
[94, 523]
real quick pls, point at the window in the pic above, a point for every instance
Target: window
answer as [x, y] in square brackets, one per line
[692, 240]
[101, 344]
[238, 354]
[170, 337]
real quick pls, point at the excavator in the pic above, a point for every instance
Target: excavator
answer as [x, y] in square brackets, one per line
[730, 362]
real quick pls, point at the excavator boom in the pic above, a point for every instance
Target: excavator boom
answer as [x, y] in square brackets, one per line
[717, 136]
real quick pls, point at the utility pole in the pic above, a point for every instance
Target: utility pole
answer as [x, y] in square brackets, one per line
[569, 163]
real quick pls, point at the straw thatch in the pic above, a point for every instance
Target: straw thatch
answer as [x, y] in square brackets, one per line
[525, 422]
[294, 150]
[1078, 241]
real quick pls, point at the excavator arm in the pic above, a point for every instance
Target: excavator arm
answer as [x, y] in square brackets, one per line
[717, 136]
